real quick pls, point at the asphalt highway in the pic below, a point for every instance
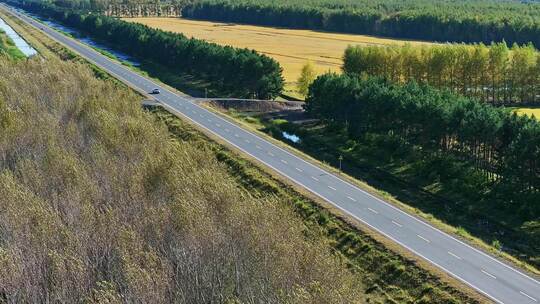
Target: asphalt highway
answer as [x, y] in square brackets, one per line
[486, 274]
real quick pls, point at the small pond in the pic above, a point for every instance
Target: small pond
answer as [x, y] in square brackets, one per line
[295, 139]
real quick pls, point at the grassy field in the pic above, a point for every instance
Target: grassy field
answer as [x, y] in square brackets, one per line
[291, 48]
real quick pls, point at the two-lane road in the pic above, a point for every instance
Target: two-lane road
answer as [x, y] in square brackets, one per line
[489, 276]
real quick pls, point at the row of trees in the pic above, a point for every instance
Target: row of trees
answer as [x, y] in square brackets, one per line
[240, 72]
[503, 148]
[491, 73]
[440, 20]
[142, 10]
[126, 8]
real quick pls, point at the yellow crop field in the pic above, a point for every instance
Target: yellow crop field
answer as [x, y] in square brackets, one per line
[291, 48]
[529, 112]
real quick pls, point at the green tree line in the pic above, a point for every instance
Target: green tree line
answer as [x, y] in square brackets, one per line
[440, 20]
[99, 205]
[494, 73]
[242, 72]
[126, 8]
[499, 148]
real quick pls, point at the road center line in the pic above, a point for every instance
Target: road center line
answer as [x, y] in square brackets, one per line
[488, 274]
[528, 296]
[454, 255]
[397, 224]
[423, 238]
[373, 210]
[352, 199]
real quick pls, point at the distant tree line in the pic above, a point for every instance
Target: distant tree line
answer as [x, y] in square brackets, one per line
[441, 20]
[502, 148]
[493, 73]
[125, 8]
[242, 72]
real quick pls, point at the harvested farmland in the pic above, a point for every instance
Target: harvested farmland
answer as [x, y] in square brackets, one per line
[291, 48]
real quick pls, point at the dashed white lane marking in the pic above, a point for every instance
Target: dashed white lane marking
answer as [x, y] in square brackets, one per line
[270, 153]
[298, 169]
[528, 296]
[314, 178]
[247, 140]
[454, 255]
[351, 198]
[373, 210]
[488, 274]
[236, 135]
[227, 130]
[397, 224]
[283, 161]
[423, 238]
[218, 125]
[332, 188]
[258, 147]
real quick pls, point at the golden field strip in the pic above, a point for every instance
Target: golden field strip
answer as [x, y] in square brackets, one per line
[291, 48]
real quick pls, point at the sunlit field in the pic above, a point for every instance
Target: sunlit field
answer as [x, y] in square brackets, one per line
[292, 48]
[530, 112]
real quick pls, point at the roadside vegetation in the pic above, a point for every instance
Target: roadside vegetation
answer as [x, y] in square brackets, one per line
[96, 204]
[8, 48]
[495, 73]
